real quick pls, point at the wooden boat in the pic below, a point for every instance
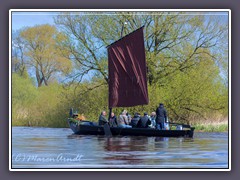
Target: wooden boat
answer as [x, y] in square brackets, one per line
[91, 128]
[127, 83]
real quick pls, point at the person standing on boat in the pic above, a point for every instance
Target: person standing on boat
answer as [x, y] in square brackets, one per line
[102, 119]
[113, 120]
[161, 114]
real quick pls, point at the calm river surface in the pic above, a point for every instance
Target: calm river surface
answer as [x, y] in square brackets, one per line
[60, 148]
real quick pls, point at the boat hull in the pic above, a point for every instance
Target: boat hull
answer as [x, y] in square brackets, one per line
[86, 129]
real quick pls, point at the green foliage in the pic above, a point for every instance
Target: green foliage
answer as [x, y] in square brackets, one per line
[197, 91]
[211, 128]
[45, 112]
[33, 106]
[87, 98]
[24, 93]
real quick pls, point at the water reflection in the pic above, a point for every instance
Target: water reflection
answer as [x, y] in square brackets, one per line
[161, 142]
[124, 149]
[124, 143]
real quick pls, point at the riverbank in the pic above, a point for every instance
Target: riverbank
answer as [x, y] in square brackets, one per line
[211, 127]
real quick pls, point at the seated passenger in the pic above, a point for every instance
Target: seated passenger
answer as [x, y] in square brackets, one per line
[102, 119]
[144, 121]
[135, 120]
[153, 120]
[129, 117]
[123, 120]
[113, 120]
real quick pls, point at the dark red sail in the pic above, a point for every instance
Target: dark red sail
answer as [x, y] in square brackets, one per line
[127, 71]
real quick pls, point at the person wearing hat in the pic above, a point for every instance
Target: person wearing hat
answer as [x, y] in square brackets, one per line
[161, 118]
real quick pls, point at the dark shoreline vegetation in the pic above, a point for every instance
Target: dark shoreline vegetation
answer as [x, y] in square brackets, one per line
[63, 66]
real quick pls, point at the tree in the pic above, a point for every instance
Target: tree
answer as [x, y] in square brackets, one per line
[195, 94]
[178, 48]
[18, 57]
[167, 36]
[43, 53]
[175, 39]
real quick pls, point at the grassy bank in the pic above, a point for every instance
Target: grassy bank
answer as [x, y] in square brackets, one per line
[50, 123]
[211, 127]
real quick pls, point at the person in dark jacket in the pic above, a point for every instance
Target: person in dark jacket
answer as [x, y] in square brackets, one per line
[113, 120]
[144, 121]
[161, 118]
[102, 119]
[135, 120]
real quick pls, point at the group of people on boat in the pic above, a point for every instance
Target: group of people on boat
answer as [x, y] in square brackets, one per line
[157, 119]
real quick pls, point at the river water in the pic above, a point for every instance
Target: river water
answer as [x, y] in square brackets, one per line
[60, 148]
